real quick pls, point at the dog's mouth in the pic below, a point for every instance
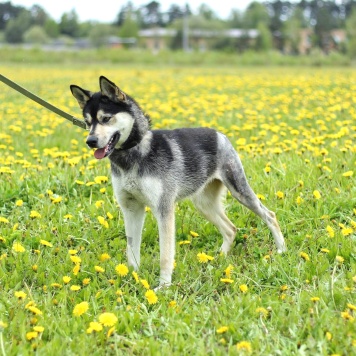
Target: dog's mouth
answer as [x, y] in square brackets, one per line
[101, 153]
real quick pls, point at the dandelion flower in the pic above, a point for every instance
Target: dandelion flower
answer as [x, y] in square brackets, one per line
[81, 308]
[121, 270]
[94, 326]
[346, 231]
[330, 231]
[226, 280]
[151, 297]
[17, 247]
[20, 295]
[31, 335]
[351, 306]
[110, 332]
[193, 234]
[339, 259]
[108, 319]
[314, 299]
[243, 288]
[38, 328]
[19, 202]
[86, 281]
[305, 256]
[316, 194]
[222, 329]
[75, 288]
[135, 276]
[204, 258]
[262, 311]
[244, 346]
[75, 259]
[34, 310]
[66, 279]
[45, 243]
[4, 220]
[35, 214]
[348, 174]
[99, 269]
[104, 257]
[280, 195]
[145, 283]
[228, 271]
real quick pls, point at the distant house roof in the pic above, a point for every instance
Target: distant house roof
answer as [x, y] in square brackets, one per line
[231, 33]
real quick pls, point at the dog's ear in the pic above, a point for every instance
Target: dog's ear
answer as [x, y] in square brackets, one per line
[81, 95]
[109, 89]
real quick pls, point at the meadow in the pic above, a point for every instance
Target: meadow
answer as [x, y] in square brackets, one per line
[65, 285]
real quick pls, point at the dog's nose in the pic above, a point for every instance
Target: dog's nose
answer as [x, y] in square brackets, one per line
[92, 141]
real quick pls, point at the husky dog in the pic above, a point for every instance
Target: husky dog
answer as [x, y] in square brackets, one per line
[156, 168]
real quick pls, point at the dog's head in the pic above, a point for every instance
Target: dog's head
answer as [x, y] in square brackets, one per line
[108, 114]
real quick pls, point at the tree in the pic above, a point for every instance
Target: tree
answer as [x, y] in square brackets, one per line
[38, 15]
[351, 34]
[15, 28]
[255, 14]
[264, 40]
[129, 28]
[8, 12]
[151, 15]
[99, 34]
[51, 28]
[69, 24]
[35, 34]
[291, 31]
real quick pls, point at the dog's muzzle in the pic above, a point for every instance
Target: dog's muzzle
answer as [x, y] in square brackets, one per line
[92, 141]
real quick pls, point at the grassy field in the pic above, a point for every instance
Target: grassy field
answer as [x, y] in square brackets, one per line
[65, 288]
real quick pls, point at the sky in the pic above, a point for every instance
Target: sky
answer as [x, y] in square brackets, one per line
[107, 10]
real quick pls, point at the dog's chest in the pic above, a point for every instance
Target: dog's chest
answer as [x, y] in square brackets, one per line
[146, 189]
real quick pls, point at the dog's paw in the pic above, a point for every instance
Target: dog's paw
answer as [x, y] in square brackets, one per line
[162, 286]
[282, 249]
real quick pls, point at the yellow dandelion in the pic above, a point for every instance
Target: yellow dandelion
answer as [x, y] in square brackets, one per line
[314, 299]
[73, 252]
[19, 202]
[261, 197]
[86, 281]
[226, 280]
[151, 297]
[347, 316]
[99, 269]
[99, 203]
[348, 174]
[351, 306]
[34, 310]
[135, 276]
[80, 308]
[316, 194]
[193, 234]
[4, 220]
[228, 271]
[339, 259]
[184, 242]
[101, 179]
[38, 328]
[20, 295]
[145, 283]
[75, 288]
[121, 270]
[279, 194]
[222, 329]
[75, 259]
[94, 326]
[35, 214]
[31, 335]
[104, 257]
[76, 269]
[330, 231]
[109, 215]
[103, 222]
[346, 231]
[262, 312]
[244, 346]
[325, 250]
[305, 256]
[66, 279]
[243, 288]
[45, 243]
[17, 247]
[204, 258]
[108, 319]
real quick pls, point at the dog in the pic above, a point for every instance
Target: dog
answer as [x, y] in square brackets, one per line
[157, 168]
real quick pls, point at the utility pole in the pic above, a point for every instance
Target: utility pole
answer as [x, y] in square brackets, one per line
[185, 39]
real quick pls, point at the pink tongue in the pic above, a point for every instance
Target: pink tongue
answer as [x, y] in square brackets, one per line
[99, 153]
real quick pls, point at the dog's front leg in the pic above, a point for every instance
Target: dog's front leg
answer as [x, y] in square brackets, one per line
[166, 228]
[134, 216]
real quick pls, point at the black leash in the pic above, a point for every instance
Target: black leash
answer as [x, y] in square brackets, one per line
[42, 102]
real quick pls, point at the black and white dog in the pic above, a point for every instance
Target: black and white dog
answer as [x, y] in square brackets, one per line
[156, 168]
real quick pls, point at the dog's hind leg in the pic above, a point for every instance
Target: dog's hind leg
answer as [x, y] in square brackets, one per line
[209, 203]
[234, 178]
[134, 217]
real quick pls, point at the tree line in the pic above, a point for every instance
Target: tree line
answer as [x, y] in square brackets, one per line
[279, 24]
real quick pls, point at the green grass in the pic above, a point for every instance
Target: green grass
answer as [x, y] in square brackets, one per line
[300, 123]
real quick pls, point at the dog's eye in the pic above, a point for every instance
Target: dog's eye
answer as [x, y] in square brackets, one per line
[106, 119]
